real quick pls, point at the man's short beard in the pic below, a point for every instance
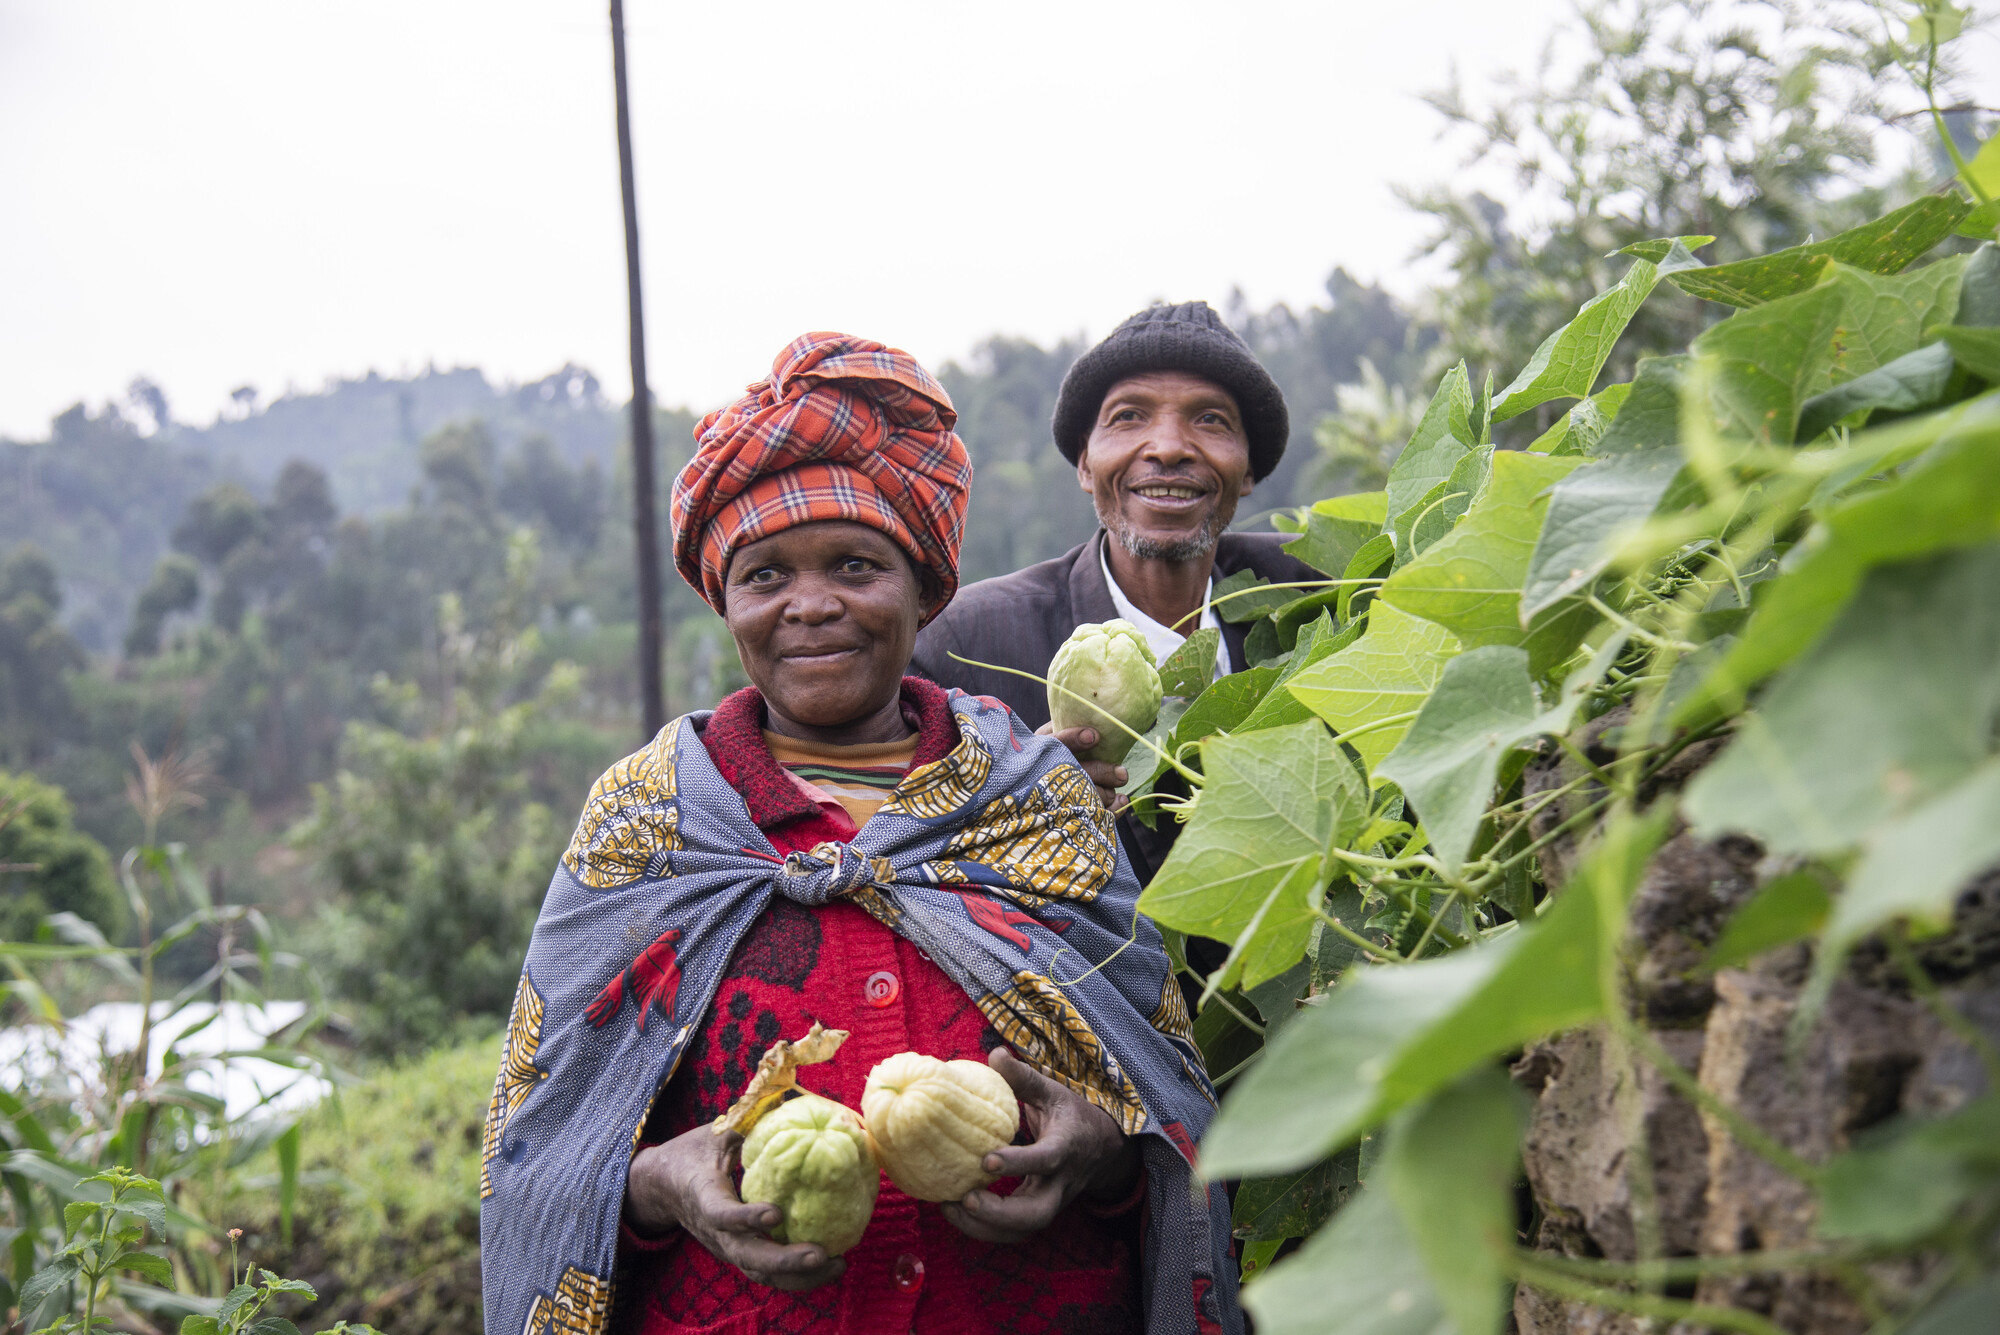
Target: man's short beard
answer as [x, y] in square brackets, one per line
[1192, 547]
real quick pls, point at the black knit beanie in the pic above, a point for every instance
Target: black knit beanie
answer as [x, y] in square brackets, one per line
[1189, 337]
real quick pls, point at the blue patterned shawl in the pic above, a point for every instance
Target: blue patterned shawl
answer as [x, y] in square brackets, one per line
[666, 874]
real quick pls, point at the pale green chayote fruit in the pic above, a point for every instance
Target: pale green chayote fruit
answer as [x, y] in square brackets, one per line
[1110, 665]
[810, 1157]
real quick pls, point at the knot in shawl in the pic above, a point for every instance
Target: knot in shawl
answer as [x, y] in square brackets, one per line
[842, 428]
[996, 861]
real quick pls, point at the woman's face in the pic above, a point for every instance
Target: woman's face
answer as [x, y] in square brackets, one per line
[825, 620]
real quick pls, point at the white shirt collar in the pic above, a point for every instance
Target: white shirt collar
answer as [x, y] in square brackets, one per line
[1163, 640]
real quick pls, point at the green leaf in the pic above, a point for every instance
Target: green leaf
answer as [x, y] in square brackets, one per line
[1188, 669]
[1483, 706]
[1886, 245]
[1977, 350]
[1336, 528]
[1590, 512]
[287, 1148]
[1916, 865]
[1279, 706]
[1948, 498]
[1144, 768]
[1768, 361]
[1332, 954]
[234, 1300]
[1369, 561]
[1789, 909]
[200, 1325]
[152, 1212]
[1979, 290]
[272, 1325]
[1982, 171]
[1249, 606]
[1390, 670]
[1660, 247]
[1894, 706]
[1443, 436]
[76, 1214]
[1449, 1166]
[1650, 415]
[156, 1268]
[1979, 223]
[1277, 999]
[1360, 1275]
[1224, 1041]
[1965, 1310]
[1224, 705]
[1579, 430]
[1908, 1180]
[1470, 582]
[1441, 514]
[1294, 1204]
[1914, 380]
[1567, 363]
[1887, 315]
[1247, 865]
[1391, 1035]
[44, 1283]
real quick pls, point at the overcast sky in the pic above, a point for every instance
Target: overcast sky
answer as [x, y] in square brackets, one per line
[269, 192]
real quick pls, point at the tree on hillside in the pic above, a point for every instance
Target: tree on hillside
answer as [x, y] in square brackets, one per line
[1651, 118]
[37, 657]
[1315, 354]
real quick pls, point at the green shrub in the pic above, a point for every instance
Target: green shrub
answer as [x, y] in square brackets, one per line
[61, 869]
[387, 1225]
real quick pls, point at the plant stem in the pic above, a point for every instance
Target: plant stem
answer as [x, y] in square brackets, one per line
[1355, 938]
[1416, 952]
[1680, 1269]
[1742, 1128]
[1535, 1275]
[1266, 588]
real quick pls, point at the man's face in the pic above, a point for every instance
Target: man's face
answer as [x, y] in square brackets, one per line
[1166, 463]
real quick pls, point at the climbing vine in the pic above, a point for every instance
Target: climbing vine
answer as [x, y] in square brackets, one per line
[1747, 595]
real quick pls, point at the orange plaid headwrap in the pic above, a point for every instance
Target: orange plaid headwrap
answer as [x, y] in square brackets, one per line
[842, 428]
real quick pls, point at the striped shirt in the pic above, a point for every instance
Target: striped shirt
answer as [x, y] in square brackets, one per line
[860, 778]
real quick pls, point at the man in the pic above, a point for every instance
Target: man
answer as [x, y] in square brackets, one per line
[1170, 422]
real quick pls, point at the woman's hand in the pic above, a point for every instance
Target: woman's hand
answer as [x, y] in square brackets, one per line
[686, 1182]
[1108, 777]
[1077, 1150]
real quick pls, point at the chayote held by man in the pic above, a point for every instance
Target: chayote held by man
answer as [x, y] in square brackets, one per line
[848, 845]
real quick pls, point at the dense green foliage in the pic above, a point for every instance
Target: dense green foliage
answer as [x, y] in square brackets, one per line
[1784, 539]
[46, 865]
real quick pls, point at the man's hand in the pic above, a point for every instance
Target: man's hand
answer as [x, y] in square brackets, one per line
[1077, 1150]
[686, 1182]
[1108, 778]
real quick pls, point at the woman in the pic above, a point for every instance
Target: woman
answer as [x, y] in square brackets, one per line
[844, 844]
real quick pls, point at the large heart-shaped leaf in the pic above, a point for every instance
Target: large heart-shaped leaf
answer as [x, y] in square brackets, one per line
[1246, 868]
[1388, 672]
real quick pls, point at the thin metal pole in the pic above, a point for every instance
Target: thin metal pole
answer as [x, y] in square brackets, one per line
[645, 525]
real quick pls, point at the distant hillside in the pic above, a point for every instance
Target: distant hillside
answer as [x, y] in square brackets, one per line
[102, 499]
[364, 432]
